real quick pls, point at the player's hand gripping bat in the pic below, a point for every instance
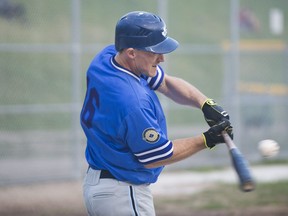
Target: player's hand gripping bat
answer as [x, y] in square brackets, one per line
[240, 165]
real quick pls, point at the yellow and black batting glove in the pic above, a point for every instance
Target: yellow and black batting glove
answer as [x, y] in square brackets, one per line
[213, 113]
[214, 136]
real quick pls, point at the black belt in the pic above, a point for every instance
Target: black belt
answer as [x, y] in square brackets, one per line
[103, 173]
[106, 174]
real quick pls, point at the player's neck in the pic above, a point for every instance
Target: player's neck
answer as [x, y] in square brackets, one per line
[125, 63]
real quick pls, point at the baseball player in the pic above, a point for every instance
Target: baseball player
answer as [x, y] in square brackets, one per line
[122, 118]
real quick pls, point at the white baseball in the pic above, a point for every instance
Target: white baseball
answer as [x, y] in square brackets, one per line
[268, 148]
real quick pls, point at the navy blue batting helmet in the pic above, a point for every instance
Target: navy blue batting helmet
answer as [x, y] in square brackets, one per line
[144, 31]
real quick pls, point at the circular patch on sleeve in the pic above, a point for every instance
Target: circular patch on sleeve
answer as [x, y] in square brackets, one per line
[150, 135]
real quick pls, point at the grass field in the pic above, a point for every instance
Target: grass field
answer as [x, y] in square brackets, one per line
[222, 200]
[46, 78]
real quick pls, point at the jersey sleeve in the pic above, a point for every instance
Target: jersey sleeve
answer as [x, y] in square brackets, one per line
[145, 137]
[155, 82]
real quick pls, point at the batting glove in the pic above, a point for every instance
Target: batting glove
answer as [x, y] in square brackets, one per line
[213, 113]
[213, 136]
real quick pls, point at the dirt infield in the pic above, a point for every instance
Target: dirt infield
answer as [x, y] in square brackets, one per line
[65, 198]
[62, 198]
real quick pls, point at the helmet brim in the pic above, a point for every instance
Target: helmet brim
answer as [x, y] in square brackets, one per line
[166, 46]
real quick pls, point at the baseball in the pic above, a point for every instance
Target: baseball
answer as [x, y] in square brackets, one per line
[268, 148]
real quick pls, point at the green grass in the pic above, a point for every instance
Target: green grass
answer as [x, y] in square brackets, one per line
[35, 78]
[39, 121]
[46, 78]
[44, 22]
[272, 161]
[228, 198]
[198, 22]
[261, 10]
[265, 194]
[258, 68]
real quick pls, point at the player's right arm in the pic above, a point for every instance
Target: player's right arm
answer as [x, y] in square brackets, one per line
[182, 149]
[186, 147]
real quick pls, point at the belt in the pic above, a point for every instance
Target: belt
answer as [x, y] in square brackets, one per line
[106, 174]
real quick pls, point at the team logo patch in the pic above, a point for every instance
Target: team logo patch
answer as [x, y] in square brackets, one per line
[150, 135]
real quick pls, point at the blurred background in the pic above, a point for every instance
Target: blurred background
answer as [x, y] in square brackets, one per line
[235, 51]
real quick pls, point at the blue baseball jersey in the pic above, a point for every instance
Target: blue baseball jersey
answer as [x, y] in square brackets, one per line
[123, 120]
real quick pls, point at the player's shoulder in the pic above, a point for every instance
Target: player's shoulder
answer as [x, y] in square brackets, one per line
[110, 49]
[106, 52]
[101, 62]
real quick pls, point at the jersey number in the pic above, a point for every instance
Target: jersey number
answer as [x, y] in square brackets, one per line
[90, 108]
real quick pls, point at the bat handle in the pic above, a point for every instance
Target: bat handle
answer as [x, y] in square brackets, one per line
[228, 140]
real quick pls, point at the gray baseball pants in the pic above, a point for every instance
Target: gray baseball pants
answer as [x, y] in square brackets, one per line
[110, 197]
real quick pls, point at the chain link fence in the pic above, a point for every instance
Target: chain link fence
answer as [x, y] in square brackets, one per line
[235, 52]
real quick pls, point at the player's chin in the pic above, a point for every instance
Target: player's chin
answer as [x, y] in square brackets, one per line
[153, 71]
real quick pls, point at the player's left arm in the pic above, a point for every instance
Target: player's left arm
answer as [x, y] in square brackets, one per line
[185, 93]
[181, 91]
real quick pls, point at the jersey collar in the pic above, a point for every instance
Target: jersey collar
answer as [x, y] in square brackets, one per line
[119, 67]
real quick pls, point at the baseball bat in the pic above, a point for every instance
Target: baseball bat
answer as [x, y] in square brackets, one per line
[240, 165]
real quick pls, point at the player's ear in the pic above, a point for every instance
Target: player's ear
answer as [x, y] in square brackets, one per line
[131, 53]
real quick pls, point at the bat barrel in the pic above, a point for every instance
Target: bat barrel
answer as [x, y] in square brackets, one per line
[241, 166]
[248, 186]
